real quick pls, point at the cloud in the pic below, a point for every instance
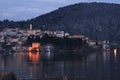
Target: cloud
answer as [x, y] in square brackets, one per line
[54, 1]
[5, 14]
[23, 13]
[24, 9]
[27, 9]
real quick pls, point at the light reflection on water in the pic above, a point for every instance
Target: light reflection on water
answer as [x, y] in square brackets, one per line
[34, 57]
[95, 66]
[115, 54]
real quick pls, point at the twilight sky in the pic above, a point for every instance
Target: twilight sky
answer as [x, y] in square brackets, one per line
[26, 9]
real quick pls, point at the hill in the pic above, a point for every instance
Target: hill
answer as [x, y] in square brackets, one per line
[96, 20]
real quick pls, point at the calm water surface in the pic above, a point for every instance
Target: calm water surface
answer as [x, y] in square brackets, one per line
[95, 66]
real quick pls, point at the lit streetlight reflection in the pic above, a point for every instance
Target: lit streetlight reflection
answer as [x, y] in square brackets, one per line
[115, 54]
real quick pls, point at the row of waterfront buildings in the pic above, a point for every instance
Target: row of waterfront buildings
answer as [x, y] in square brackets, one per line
[17, 37]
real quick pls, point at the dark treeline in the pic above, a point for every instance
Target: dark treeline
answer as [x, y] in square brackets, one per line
[65, 41]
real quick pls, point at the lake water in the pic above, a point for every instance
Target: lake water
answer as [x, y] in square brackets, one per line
[104, 65]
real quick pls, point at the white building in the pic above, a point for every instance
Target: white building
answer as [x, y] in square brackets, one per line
[78, 36]
[92, 42]
[59, 33]
[11, 32]
[106, 45]
[67, 34]
[15, 40]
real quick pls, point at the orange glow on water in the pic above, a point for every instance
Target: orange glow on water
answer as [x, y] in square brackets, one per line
[21, 53]
[34, 57]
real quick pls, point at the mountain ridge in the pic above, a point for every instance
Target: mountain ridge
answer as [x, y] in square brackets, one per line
[96, 20]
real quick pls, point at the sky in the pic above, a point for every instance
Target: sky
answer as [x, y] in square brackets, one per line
[18, 10]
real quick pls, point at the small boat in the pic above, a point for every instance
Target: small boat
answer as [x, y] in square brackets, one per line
[47, 51]
[47, 48]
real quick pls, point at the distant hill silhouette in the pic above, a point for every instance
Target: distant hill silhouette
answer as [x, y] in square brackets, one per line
[96, 20]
